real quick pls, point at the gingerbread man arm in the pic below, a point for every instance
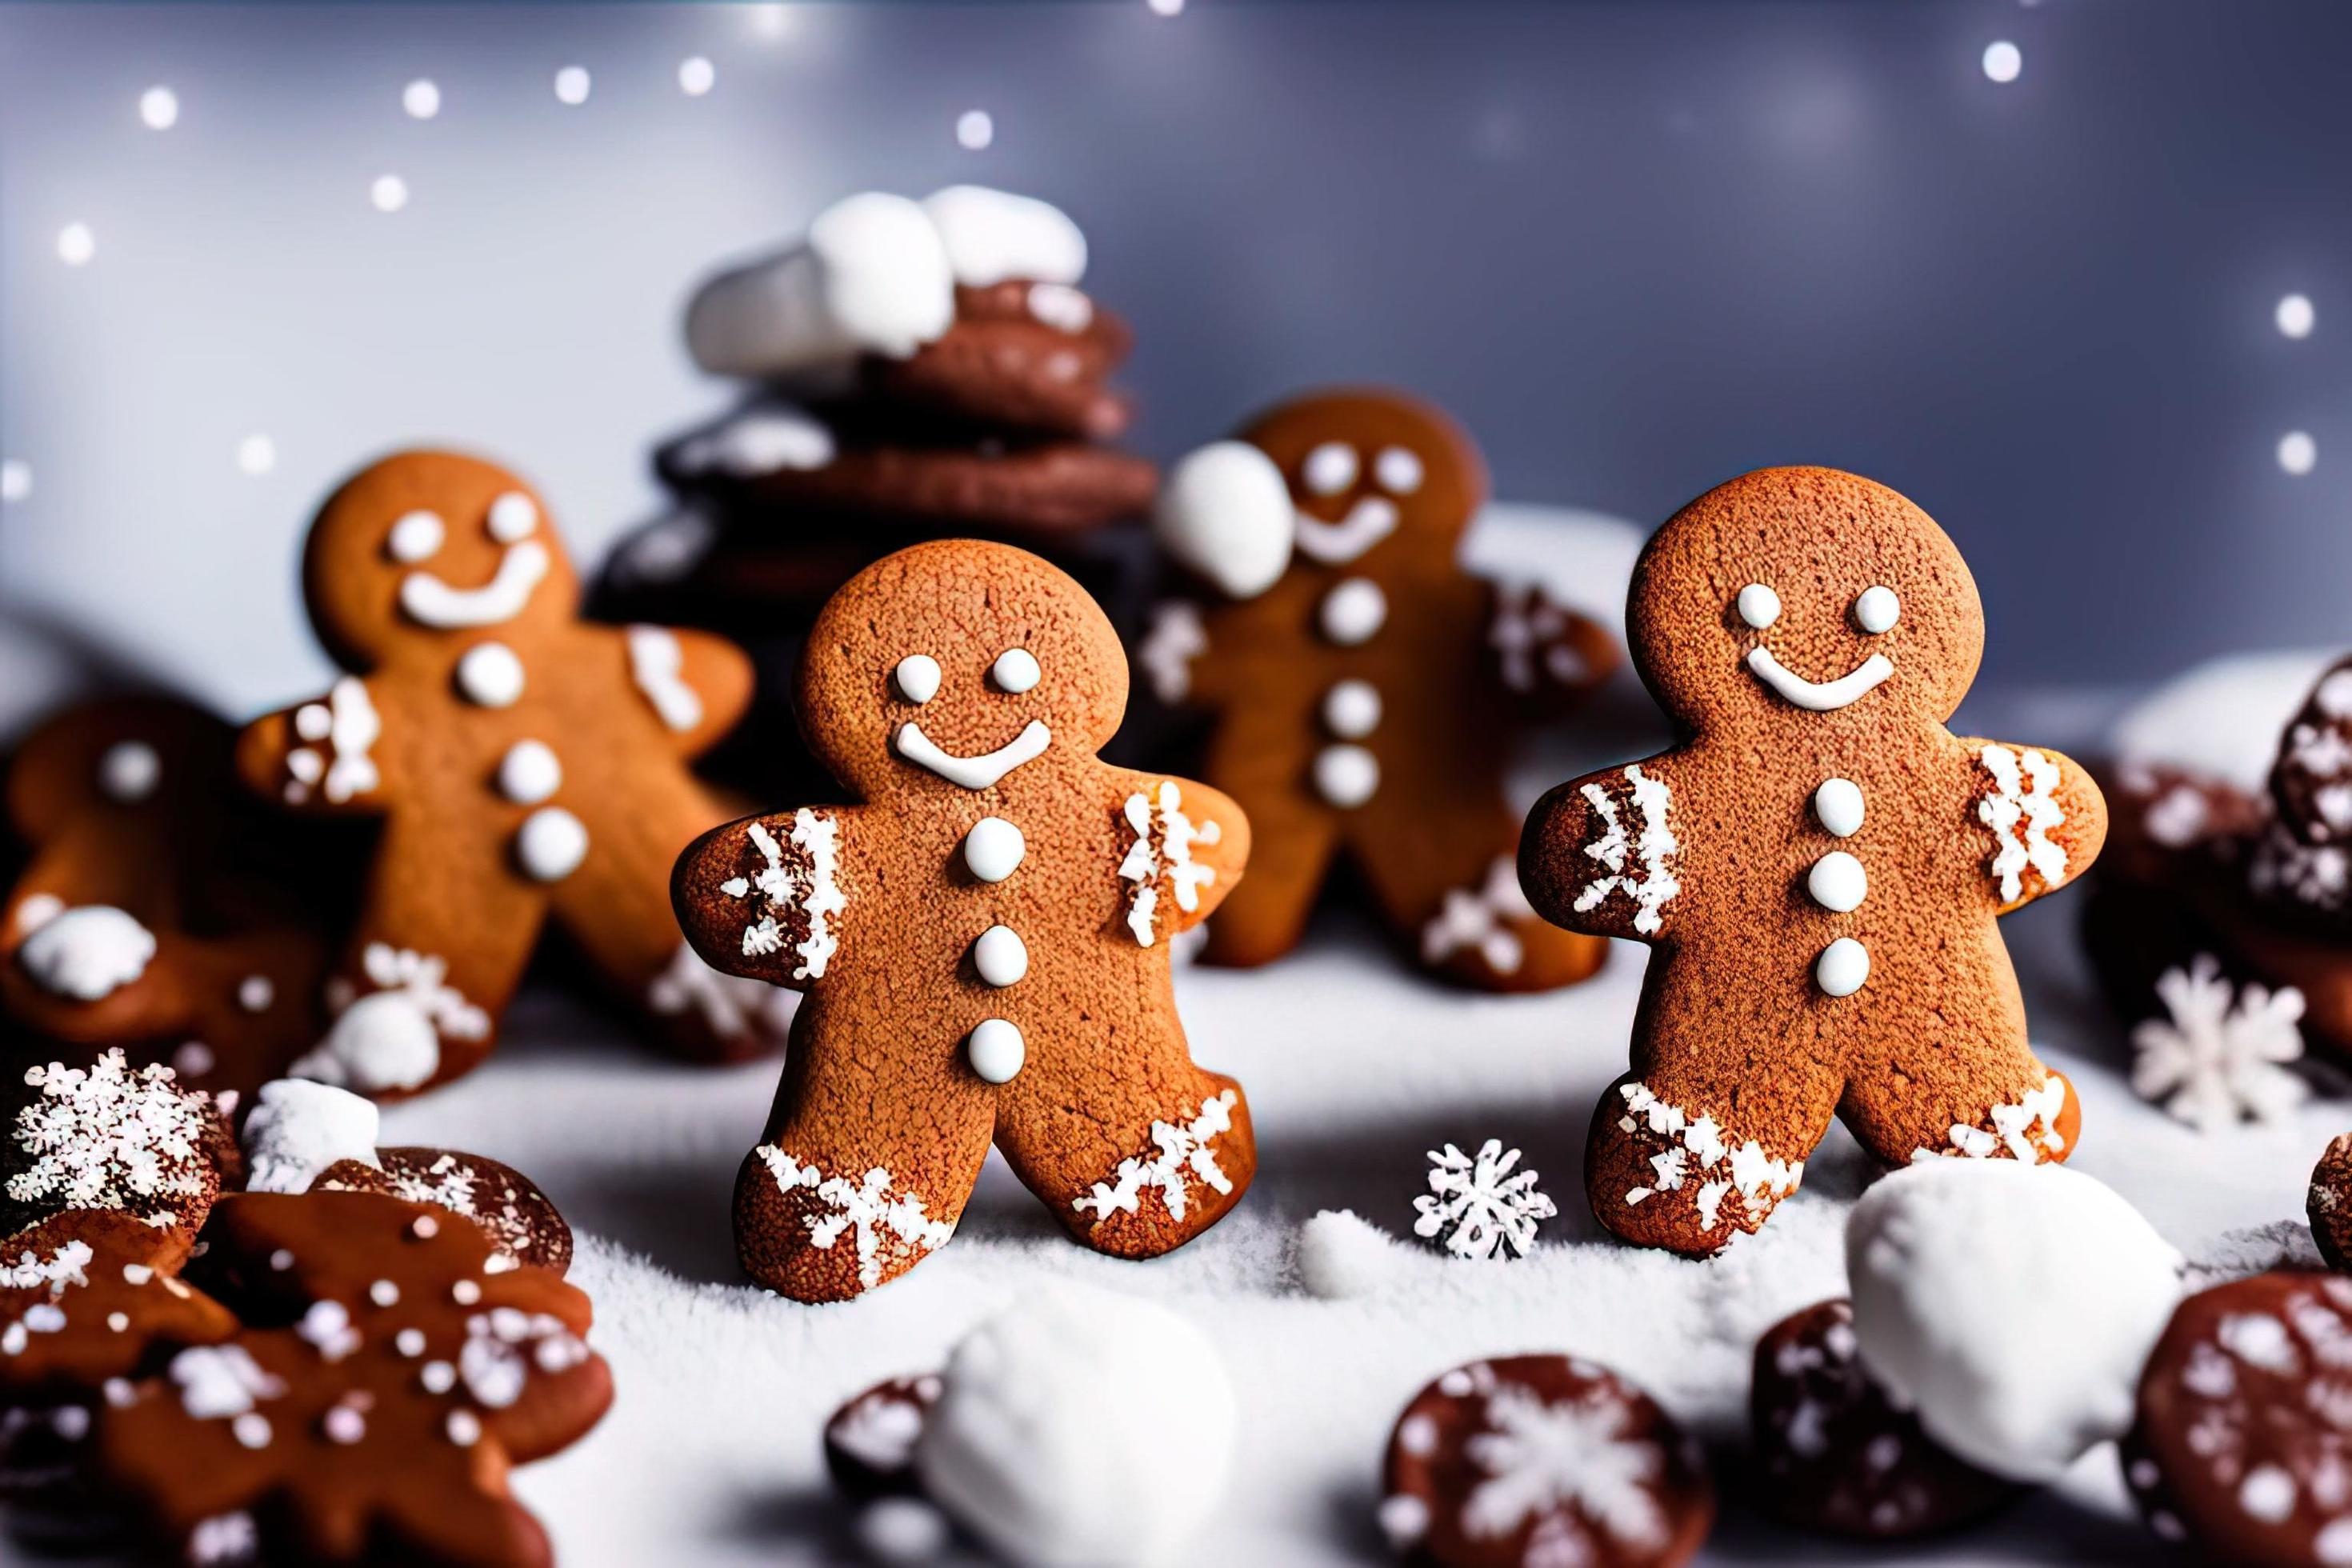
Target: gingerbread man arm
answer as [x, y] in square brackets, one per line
[319, 755]
[1182, 847]
[699, 684]
[1599, 854]
[765, 896]
[1547, 656]
[2044, 817]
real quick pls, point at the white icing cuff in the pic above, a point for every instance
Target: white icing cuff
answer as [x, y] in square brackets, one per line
[881, 1228]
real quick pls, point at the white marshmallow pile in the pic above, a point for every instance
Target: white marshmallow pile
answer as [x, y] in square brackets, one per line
[298, 1127]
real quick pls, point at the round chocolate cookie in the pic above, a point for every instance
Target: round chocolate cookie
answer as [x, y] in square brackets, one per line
[2244, 1442]
[2329, 1203]
[1545, 1460]
[105, 1134]
[869, 1442]
[1837, 1454]
[1023, 356]
[507, 1205]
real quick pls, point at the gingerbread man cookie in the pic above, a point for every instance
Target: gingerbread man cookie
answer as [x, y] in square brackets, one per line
[1367, 689]
[525, 765]
[148, 917]
[983, 941]
[1819, 863]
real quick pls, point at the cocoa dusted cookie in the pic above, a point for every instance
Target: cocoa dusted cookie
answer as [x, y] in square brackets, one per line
[2329, 1203]
[112, 1136]
[1837, 1454]
[1365, 691]
[983, 939]
[869, 1443]
[1542, 1459]
[1820, 863]
[2241, 1447]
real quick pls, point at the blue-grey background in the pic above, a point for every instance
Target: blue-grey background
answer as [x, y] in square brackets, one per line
[1638, 246]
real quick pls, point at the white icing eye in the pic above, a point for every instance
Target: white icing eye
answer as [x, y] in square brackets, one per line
[1758, 606]
[1399, 471]
[917, 677]
[416, 537]
[1330, 468]
[1015, 669]
[1876, 609]
[512, 517]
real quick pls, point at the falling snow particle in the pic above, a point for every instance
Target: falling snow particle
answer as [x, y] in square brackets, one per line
[2004, 60]
[159, 107]
[257, 454]
[390, 193]
[421, 98]
[1167, 7]
[571, 85]
[2296, 316]
[15, 479]
[2298, 454]
[975, 129]
[76, 244]
[695, 76]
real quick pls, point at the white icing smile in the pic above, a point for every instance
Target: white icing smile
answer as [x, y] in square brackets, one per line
[974, 773]
[428, 599]
[1820, 697]
[1369, 520]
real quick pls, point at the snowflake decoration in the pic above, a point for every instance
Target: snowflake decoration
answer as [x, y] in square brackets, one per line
[1183, 1154]
[110, 1136]
[1541, 1456]
[1477, 1206]
[882, 1228]
[2220, 1054]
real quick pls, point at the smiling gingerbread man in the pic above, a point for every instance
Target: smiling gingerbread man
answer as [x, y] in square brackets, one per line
[983, 941]
[1820, 864]
[525, 765]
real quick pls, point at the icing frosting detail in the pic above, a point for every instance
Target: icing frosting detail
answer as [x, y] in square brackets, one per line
[2020, 812]
[996, 1051]
[431, 602]
[656, 660]
[1181, 1155]
[1001, 956]
[1820, 697]
[1353, 611]
[1842, 968]
[917, 676]
[1369, 520]
[2026, 1129]
[1838, 808]
[994, 848]
[348, 722]
[1160, 850]
[490, 675]
[87, 953]
[1698, 1159]
[1475, 918]
[882, 1228]
[1655, 847]
[1347, 775]
[1177, 637]
[974, 773]
[796, 888]
[551, 844]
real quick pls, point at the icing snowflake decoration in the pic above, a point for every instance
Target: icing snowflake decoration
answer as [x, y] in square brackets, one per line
[2026, 1129]
[65, 1267]
[1697, 1159]
[731, 1005]
[1161, 850]
[1177, 637]
[1473, 919]
[1529, 625]
[2283, 866]
[1181, 1155]
[423, 979]
[1476, 1207]
[347, 724]
[2220, 1051]
[1656, 846]
[1542, 1457]
[2020, 812]
[111, 1136]
[796, 887]
[882, 1228]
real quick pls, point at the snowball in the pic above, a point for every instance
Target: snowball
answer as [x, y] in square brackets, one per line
[87, 953]
[1342, 1253]
[300, 1128]
[384, 1040]
[873, 277]
[2011, 1306]
[994, 236]
[1224, 512]
[902, 1530]
[1081, 1426]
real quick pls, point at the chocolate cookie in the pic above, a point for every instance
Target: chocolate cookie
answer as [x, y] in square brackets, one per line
[2330, 1205]
[869, 1443]
[504, 1202]
[112, 1136]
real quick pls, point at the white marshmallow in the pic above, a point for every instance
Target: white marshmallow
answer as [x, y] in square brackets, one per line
[994, 236]
[86, 953]
[385, 1040]
[298, 1127]
[1224, 512]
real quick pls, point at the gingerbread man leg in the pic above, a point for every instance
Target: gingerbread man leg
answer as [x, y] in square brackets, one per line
[1135, 1165]
[1961, 1080]
[839, 1198]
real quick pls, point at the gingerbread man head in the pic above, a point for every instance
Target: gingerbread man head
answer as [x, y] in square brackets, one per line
[1794, 597]
[428, 543]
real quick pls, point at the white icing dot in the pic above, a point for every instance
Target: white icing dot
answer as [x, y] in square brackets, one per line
[513, 518]
[1351, 710]
[255, 994]
[344, 1424]
[1758, 606]
[994, 848]
[252, 1430]
[975, 129]
[129, 771]
[917, 677]
[314, 722]
[389, 192]
[1345, 776]
[530, 773]
[465, 1292]
[417, 536]
[2004, 60]
[551, 844]
[410, 1342]
[1876, 609]
[2298, 454]
[1842, 968]
[1354, 611]
[1837, 882]
[1329, 468]
[38, 910]
[1399, 471]
[571, 85]
[1001, 956]
[159, 107]
[2296, 316]
[464, 1427]
[1015, 670]
[996, 1051]
[696, 76]
[385, 1293]
[256, 456]
[1837, 804]
[2267, 1494]
[490, 674]
[76, 244]
[421, 98]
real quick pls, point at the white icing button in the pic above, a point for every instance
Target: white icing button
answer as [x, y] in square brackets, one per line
[129, 771]
[530, 773]
[1758, 606]
[1001, 956]
[551, 844]
[1842, 968]
[1329, 468]
[313, 721]
[1878, 609]
[416, 537]
[1351, 710]
[512, 517]
[1837, 882]
[490, 674]
[1015, 669]
[996, 1051]
[1354, 611]
[917, 677]
[1838, 806]
[1399, 471]
[994, 848]
[255, 994]
[1345, 776]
